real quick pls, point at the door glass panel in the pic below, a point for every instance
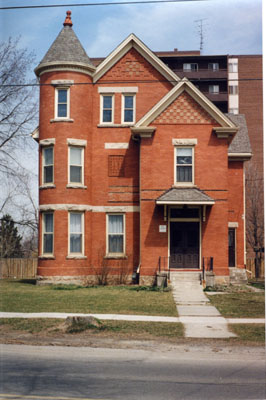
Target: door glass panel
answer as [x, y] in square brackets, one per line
[184, 213]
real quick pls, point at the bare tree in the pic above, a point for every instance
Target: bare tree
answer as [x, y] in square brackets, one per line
[18, 106]
[254, 213]
[18, 118]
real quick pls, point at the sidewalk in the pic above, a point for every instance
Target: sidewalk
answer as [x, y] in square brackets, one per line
[200, 318]
[122, 317]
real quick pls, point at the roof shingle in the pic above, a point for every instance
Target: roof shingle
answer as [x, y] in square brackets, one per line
[184, 196]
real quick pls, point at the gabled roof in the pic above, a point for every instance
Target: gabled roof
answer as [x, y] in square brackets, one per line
[66, 50]
[240, 144]
[225, 123]
[133, 41]
[185, 196]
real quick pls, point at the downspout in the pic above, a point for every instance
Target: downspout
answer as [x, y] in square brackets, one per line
[138, 139]
[138, 270]
[244, 215]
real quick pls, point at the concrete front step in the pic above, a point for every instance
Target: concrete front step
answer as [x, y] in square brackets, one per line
[190, 276]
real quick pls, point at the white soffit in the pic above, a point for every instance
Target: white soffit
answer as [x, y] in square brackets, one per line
[123, 48]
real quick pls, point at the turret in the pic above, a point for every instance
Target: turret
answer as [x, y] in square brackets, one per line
[65, 75]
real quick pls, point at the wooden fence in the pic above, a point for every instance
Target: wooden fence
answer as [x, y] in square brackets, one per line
[18, 268]
[251, 268]
[23, 268]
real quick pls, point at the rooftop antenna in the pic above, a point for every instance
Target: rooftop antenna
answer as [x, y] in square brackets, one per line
[200, 27]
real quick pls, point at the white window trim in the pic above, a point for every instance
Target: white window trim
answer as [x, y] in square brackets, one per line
[101, 108]
[76, 184]
[47, 184]
[43, 233]
[74, 255]
[109, 89]
[67, 117]
[123, 108]
[109, 254]
[189, 184]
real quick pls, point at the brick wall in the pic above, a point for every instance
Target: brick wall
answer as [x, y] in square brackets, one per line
[250, 103]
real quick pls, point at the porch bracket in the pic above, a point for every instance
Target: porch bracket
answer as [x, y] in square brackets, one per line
[204, 213]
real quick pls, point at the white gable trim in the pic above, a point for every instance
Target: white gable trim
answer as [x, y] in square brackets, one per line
[35, 134]
[197, 95]
[123, 48]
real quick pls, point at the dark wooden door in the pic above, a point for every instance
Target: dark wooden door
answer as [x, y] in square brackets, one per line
[232, 247]
[184, 245]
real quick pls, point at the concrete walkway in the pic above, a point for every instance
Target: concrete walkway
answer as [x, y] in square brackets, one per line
[200, 318]
[123, 317]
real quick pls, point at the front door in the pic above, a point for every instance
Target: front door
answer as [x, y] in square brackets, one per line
[184, 245]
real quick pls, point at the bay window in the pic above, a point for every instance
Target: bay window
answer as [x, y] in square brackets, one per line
[76, 162]
[76, 233]
[48, 233]
[48, 165]
[62, 103]
[115, 234]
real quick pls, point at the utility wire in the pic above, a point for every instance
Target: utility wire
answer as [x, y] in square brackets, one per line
[121, 82]
[116, 3]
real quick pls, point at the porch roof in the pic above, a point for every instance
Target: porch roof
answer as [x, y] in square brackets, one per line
[191, 196]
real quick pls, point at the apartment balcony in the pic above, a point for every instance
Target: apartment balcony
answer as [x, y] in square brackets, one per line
[206, 75]
[216, 97]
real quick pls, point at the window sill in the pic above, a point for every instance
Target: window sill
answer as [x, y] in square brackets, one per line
[61, 120]
[46, 257]
[75, 186]
[184, 185]
[76, 257]
[116, 257]
[116, 125]
[51, 186]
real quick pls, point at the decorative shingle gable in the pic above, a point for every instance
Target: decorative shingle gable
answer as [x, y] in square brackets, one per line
[132, 66]
[184, 110]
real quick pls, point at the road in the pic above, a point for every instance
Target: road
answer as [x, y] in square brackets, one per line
[42, 372]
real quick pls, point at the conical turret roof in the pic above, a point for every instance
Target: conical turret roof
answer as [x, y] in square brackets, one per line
[66, 51]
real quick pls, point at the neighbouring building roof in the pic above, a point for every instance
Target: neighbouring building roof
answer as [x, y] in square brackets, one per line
[185, 196]
[66, 49]
[240, 142]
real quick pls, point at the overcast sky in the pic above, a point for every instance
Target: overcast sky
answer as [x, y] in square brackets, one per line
[229, 26]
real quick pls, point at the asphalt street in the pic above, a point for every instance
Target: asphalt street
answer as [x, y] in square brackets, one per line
[42, 372]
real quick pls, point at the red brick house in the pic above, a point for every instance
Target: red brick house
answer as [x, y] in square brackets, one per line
[137, 168]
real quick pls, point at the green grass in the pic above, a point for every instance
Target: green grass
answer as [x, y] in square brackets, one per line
[240, 305]
[126, 329]
[259, 284]
[254, 333]
[29, 325]
[24, 297]
[248, 334]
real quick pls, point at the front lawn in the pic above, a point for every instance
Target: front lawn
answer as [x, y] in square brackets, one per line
[119, 329]
[240, 305]
[17, 296]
